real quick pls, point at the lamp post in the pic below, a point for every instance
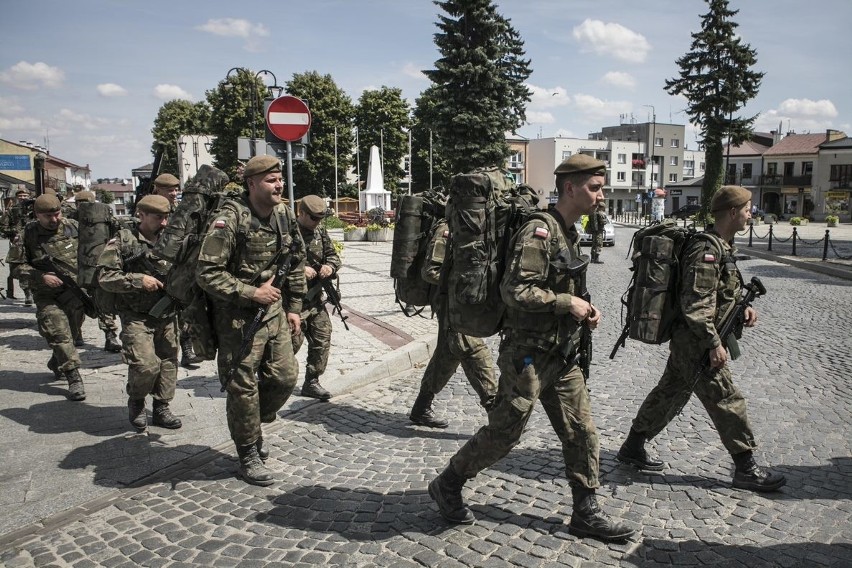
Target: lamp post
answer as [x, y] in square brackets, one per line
[653, 143]
[195, 138]
[336, 205]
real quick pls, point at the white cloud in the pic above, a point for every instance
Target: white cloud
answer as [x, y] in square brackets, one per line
[9, 106]
[541, 97]
[539, 117]
[236, 27]
[565, 133]
[806, 108]
[31, 76]
[111, 90]
[19, 123]
[612, 39]
[595, 108]
[167, 92]
[800, 116]
[619, 79]
[72, 120]
[412, 70]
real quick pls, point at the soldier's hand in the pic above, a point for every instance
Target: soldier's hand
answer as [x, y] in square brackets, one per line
[580, 309]
[267, 293]
[718, 357]
[295, 322]
[750, 317]
[310, 273]
[52, 280]
[151, 284]
[594, 319]
[325, 271]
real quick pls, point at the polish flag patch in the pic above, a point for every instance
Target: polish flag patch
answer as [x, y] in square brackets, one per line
[541, 233]
[219, 224]
[446, 234]
[709, 257]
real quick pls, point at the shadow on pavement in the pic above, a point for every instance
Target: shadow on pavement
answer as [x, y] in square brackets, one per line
[18, 381]
[656, 552]
[62, 416]
[774, 271]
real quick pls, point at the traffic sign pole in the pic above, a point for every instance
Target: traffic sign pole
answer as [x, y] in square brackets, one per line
[289, 119]
[290, 195]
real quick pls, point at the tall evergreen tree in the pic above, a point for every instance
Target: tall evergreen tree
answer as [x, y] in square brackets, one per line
[717, 79]
[479, 91]
[429, 164]
[381, 117]
[174, 119]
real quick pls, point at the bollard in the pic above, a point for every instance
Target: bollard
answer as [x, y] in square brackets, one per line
[750, 233]
[825, 246]
[770, 237]
[795, 234]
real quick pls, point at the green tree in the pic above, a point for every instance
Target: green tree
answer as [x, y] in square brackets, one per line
[717, 79]
[236, 110]
[105, 196]
[331, 109]
[175, 118]
[381, 116]
[479, 84]
[424, 139]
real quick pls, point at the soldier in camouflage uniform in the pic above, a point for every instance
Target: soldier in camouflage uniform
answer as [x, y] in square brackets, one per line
[168, 186]
[538, 356]
[249, 238]
[12, 227]
[452, 348]
[58, 311]
[711, 285]
[127, 269]
[322, 262]
[597, 222]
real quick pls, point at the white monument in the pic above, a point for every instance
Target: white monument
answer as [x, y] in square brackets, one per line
[374, 195]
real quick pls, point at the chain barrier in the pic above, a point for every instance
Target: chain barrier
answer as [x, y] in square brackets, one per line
[837, 254]
[797, 241]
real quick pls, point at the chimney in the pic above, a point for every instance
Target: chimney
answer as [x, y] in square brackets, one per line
[831, 135]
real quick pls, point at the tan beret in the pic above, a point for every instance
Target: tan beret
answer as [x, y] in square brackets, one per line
[581, 164]
[729, 196]
[84, 196]
[313, 205]
[261, 165]
[46, 203]
[166, 180]
[154, 204]
[22, 191]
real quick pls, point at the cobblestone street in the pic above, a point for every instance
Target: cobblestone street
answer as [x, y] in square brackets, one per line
[352, 473]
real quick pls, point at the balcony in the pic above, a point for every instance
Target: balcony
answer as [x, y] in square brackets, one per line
[842, 183]
[778, 180]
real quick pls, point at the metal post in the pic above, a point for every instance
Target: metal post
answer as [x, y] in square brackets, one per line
[750, 234]
[795, 234]
[430, 159]
[770, 238]
[825, 246]
[410, 160]
[38, 173]
[336, 204]
[290, 178]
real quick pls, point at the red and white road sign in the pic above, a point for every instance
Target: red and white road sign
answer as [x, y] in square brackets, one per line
[288, 118]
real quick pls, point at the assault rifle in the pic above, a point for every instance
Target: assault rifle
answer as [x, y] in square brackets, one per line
[332, 294]
[166, 302]
[144, 187]
[573, 266]
[731, 329]
[47, 264]
[249, 331]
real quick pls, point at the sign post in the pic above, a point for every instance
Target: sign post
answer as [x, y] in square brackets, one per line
[288, 119]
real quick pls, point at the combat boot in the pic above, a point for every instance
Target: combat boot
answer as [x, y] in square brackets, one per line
[10, 288]
[188, 358]
[262, 449]
[111, 342]
[313, 389]
[749, 475]
[54, 366]
[78, 341]
[28, 297]
[163, 417]
[587, 519]
[76, 390]
[421, 412]
[251, 467]
[445, 490]
[633, 452]
[136, 413]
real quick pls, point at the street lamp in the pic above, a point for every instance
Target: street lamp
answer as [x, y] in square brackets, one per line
[653, 143]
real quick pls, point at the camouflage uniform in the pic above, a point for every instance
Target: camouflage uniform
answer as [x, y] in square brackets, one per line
[149, 344]
[597, 222]
[316, 325]
[538, 358]
[235, 256]
[58, 312]
[711, 285]
[12, 225]
[452, 348]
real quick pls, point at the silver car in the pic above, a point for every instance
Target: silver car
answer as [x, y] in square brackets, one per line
[608, 236]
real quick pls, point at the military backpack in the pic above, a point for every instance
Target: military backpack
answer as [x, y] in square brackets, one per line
[97, 226]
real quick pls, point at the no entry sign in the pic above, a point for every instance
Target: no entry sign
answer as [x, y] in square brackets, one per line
[288, 118]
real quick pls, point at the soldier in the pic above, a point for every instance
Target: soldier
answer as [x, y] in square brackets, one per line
[597, 222]
[12, 227]
[321, 263]
[710, 288]
[251, 238]
[168, 186]
[452, 348]
[58, 310]
[127, 269]
[538, 356]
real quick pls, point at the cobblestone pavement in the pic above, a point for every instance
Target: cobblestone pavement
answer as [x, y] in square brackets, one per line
[352, 473]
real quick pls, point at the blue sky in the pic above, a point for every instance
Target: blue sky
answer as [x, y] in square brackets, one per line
[88, 76]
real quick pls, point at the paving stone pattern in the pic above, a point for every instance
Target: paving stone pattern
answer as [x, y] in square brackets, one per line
[352, 474]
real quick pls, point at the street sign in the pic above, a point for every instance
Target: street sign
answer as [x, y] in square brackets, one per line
[288, 118]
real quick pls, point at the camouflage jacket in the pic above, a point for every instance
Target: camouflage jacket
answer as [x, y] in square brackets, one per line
[15, 219]
[237, 253]
[121, 266]
[319, 251]
[710, 287]
[38, 244]
[537, 293]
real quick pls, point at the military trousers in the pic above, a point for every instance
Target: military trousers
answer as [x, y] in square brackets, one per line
[563, 394]
[149, 347]
[58, 326]
[316, 330]
[715, 389]
[453, 349]
[107, 323]
[263, 380]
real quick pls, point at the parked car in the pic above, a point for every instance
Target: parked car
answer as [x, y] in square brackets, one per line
[686, 211]
[586, 238]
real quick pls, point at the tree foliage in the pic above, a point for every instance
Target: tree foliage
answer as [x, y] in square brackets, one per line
[331, 108]
[382, 117]
[717, 79]
[174, 119]
[424, 140]
[105, 196]
[479, 92]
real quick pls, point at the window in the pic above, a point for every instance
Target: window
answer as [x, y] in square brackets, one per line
[658, 142]
[675, 143]
[672, 177]
[622, 158]
[621, 176]
[701, 166]
[689, 164]
[807, 168]
[746, 171]
[772, 168]
[516, 160]
[566, 154]
[672, 160]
